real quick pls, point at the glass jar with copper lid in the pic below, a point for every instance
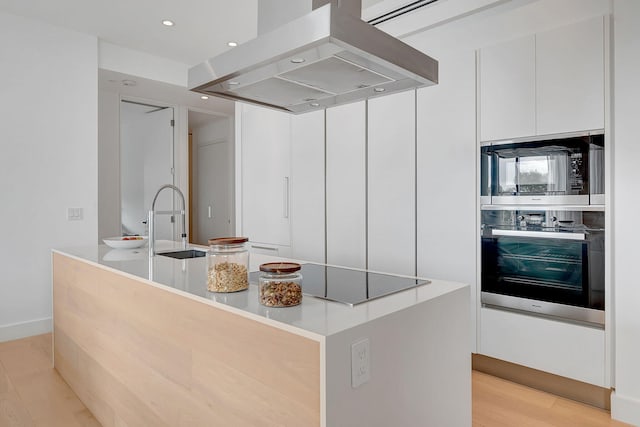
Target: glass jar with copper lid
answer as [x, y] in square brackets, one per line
[228, 264]
[280, 284]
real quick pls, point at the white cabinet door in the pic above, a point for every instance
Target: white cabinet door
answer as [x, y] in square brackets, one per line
[570, 78]
[507, 90]
[265, 164]
[564, 349]
[307, 187]
[391, 184]
[346, 186]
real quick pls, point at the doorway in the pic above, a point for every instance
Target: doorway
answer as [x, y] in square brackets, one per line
[211, 176]
[146, 163]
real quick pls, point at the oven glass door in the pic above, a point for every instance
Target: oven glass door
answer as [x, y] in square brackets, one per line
[545, 269]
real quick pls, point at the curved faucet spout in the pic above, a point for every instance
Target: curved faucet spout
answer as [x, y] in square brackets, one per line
[151, 220]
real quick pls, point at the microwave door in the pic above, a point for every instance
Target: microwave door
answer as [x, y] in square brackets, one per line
[536, 180]
[486, 172]
[596, 174]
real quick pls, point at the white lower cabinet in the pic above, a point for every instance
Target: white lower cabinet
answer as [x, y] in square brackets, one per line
[565, 349]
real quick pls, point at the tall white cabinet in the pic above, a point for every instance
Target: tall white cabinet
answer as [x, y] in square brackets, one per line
[346, 185]
[265, 177]
[307, 187]
[391, 177]
[550, 83]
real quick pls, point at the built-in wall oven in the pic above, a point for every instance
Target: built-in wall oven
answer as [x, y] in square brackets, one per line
[549, 262]
[558, 171]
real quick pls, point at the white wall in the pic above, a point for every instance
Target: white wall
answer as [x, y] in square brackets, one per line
[446, 176]
[626, 204]
[48, 162]
[136, 63]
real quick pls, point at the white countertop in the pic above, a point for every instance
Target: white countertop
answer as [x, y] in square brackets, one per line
[314, 318]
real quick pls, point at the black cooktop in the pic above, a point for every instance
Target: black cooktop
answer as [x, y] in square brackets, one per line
[349, 286]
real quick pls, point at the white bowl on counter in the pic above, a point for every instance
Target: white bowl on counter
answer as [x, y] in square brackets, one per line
[126, 242]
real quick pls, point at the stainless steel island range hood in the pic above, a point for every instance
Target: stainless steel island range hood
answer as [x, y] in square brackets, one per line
[327, 57]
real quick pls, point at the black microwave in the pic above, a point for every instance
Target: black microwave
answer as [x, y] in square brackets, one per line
[565, 171]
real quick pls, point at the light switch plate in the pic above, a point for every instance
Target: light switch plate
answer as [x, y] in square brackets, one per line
[360, 362]
[74, 214]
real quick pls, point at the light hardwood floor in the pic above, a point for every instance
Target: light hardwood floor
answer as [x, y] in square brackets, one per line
[33, 394]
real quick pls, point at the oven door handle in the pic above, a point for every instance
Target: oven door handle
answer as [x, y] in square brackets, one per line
[540, 234]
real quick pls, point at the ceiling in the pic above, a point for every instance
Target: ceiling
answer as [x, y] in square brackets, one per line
[202, 27]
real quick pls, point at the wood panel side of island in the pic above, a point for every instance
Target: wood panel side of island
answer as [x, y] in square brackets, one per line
[140, 355]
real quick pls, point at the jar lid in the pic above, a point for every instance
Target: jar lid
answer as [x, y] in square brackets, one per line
[280, 267]
[222, 241]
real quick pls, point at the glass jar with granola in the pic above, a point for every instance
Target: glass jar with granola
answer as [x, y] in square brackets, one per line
[228, 264]
[280, 284]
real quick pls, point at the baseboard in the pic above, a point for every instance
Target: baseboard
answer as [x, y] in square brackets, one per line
[25, 329]
[625, 409]
[560, 386]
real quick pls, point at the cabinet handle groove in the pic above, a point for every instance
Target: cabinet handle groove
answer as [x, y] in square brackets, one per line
[285, 204]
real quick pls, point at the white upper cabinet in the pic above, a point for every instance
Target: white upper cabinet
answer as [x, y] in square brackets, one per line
[346, 185]
[307, 187]
[507, 90]
[570, 78]
[265, 174]
[392, 183]
[547, 83]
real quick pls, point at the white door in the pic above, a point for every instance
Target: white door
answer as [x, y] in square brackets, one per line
[146, 163]
[213, 191]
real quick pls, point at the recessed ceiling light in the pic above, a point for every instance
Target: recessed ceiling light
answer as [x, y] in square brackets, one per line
[204, 97]
[315, 104]
[379, 89]
[233, 83]
[232, 44]
[297, 60]
[168, 23]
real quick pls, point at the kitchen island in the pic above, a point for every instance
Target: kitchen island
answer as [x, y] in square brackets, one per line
[143, 343]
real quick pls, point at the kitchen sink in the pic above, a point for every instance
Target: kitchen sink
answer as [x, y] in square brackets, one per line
[189, 253]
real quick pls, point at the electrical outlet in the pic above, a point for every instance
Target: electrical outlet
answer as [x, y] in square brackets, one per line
[360, 362]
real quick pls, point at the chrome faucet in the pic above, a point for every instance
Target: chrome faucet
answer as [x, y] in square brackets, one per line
[152, 213]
